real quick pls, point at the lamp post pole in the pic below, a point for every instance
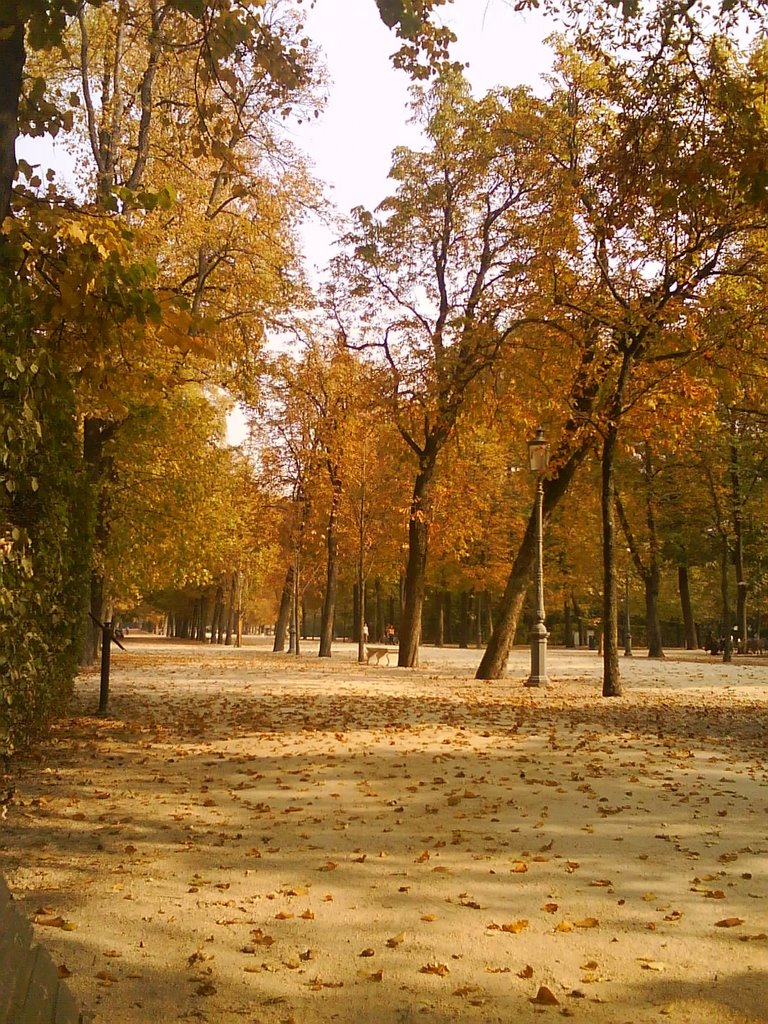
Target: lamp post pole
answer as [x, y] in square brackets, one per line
[627, 628]
[539, 458]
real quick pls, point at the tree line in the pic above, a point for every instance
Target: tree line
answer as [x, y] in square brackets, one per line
[590, 258]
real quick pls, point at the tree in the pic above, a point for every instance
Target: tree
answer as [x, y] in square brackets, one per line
[658, 165]
[441, 275]
[179, 111]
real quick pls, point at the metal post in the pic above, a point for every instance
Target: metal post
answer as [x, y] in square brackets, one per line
[292, 626]
[627, 628]
[539, 634]
[106, 650]
[296, 607]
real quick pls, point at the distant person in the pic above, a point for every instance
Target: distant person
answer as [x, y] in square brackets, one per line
[390, 634]
[365, 632]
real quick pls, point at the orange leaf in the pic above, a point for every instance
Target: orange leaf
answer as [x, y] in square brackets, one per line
[439, 969]
[515, 927]
[545, 997]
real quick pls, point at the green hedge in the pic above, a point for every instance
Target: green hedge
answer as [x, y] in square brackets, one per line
[45, 530]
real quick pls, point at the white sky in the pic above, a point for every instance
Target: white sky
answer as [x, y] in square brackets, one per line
[367, 111]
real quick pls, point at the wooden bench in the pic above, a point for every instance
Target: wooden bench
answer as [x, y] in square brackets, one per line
[30, 989]
[378, 653]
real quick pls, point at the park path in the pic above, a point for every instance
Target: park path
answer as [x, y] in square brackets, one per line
[257, 837]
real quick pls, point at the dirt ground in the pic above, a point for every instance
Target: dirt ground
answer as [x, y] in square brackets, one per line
[264, 838]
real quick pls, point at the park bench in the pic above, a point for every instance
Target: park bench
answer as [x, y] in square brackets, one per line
[30, 989]
[378, 653]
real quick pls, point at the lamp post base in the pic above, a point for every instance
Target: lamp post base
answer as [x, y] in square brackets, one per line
[539, 637]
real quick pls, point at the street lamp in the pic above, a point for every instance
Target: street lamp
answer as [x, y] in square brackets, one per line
[538, 458]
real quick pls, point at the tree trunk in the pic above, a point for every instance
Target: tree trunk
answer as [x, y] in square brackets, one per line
[357, 623]
[328, 613]
[96, 434]
[378, 629]
[217, 621]
[230, 613]
[581, 625]
[361, 624]
[12, 58]
[418, 543]
[652, 626]
[684, 588]
[611, 677]
[440, 630]
[464, 619]
[284, 612]
[568, 624]
[494, 660]
[489, 614]
[725, 610]
[93, 633]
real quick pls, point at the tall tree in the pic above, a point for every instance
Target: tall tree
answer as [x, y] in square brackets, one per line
[442, 274]
[658, 163]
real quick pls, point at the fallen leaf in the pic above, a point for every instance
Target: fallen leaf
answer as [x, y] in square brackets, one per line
[49, 921]
[525, 972]
[729, 922]
[439, 969]
[396, 940]
[515, 927]
[587, 922]
[545, 997]
[653, 965]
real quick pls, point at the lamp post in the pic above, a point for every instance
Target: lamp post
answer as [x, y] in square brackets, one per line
[627, 628]
[538, 458]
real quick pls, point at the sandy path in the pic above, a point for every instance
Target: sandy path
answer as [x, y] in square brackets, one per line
[254, 837]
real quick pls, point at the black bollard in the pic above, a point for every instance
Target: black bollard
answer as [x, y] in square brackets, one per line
[106, 649]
